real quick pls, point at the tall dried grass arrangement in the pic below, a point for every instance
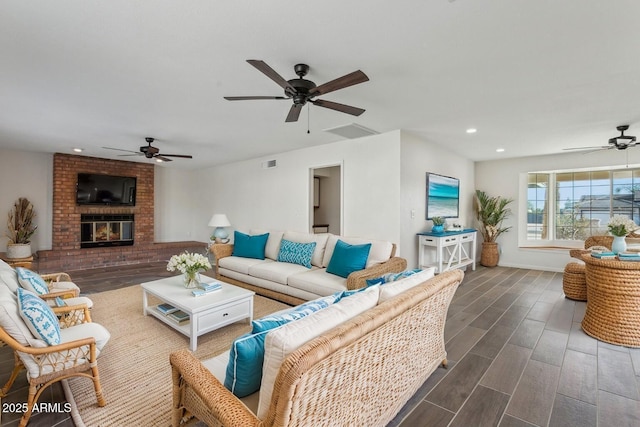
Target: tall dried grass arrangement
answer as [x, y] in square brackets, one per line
[20, 222]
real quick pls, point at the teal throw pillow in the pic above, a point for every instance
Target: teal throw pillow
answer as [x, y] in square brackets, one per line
[38, 316]
[296, 253]
[247, 246]
[392, 277]
[348, 258]
[280, 318]
[32, 281]
[244, 371]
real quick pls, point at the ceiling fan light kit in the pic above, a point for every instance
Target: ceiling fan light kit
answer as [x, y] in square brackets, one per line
[301, 90]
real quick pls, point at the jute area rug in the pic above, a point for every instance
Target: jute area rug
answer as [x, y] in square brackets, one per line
[134, 365]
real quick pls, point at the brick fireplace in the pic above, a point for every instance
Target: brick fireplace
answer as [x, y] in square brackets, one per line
[68, 253]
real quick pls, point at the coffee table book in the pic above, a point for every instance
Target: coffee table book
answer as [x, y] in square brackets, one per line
[179, 316]
[166, 309]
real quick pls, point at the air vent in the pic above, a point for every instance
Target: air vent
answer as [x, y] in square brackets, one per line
[269, 164]
[352, 131]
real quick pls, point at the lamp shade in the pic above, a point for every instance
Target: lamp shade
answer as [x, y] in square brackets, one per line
[219, 220]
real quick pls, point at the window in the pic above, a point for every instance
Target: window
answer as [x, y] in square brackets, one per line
[569, 206]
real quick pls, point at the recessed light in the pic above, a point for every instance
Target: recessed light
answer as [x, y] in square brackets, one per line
[499, 150]
[78, 150]
[472, 130]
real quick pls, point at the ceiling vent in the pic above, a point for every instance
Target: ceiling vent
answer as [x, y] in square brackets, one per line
[269, 164]
[352, 131]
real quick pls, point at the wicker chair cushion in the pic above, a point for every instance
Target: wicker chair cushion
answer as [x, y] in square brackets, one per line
[38, 316]
[10, 319]
[32, 281]
[10, 279]
[282, 341]
[77, 332]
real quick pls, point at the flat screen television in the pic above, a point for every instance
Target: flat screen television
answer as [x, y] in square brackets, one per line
[95, 189]
[443, 196]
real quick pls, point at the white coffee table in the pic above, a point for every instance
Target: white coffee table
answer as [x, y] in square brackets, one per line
[207, 313]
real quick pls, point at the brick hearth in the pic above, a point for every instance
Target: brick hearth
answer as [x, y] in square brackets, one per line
[66, 253]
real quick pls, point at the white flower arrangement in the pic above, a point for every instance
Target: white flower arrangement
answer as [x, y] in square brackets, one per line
[620, 225]
[188, 263]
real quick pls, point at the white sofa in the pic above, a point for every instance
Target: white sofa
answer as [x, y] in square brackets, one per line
[294, 283]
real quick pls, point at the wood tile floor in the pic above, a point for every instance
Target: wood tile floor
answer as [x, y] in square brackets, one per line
[517, 357]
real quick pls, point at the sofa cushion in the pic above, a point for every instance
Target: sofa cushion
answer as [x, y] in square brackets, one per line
[273, 242]
[319, 239]
[391, 289]
[244, 371]
[277, 272]
[272, 321]
[380, 250]
[296, 253]
[241, 265]
[32, 281]
[39, 317]
[247, 246]
[348, 258]
[282, 341]
[318, 281]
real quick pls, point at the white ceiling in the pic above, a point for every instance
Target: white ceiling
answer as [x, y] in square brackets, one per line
[533, 77]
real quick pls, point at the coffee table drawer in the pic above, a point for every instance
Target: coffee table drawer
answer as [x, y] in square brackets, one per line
[225, 314]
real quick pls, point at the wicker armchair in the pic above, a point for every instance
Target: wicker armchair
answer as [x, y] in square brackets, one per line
[574, 282]
[76, 355]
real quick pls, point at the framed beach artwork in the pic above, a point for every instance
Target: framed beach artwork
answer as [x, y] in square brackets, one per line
[443, 196]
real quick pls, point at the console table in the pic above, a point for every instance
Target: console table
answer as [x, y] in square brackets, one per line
[448, 250]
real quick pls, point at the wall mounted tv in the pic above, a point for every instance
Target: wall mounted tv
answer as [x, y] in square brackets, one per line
[443, 196]
[94, 189]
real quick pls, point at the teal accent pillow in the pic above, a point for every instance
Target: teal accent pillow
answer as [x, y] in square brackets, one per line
[348, 258]
[296, 253]
[38, 316]
[32, 281]
[280, 318]
[247, 246]
[392, 277]
[244, 371]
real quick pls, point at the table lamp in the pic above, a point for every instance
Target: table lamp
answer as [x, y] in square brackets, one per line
[220, 234]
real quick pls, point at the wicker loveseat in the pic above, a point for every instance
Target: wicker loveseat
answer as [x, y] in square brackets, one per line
[359, 373]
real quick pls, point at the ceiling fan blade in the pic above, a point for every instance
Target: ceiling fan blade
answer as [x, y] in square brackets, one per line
[294, 113]
[246, 98]
[184, 156]
[164, 159]
[130, 155]
[120, 149]
[354, 111]
[602, 147]
[340, 83]
[272, 74]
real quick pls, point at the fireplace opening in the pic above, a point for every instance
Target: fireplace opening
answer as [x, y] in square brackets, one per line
[106, 230]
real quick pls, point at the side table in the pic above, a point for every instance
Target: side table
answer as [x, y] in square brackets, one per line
[17, 262]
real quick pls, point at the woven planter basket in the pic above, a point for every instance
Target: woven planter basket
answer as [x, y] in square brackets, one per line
[489, 256]
[574, 282]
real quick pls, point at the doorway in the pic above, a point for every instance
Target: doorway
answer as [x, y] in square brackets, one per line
[326, 199]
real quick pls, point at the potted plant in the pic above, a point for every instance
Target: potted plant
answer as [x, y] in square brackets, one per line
[490, 212]
[438, 224]
[21, 228]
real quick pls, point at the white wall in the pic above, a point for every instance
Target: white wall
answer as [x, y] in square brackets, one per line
[418, 158]
[278, 198]
[501, 177]
[176, 194]
[27, 174]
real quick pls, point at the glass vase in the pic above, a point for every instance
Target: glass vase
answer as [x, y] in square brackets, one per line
[618, 245]
[191, 279]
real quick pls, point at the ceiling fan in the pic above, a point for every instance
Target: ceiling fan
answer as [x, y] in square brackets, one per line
[301, 90]
[151, 152]
[621, 142]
